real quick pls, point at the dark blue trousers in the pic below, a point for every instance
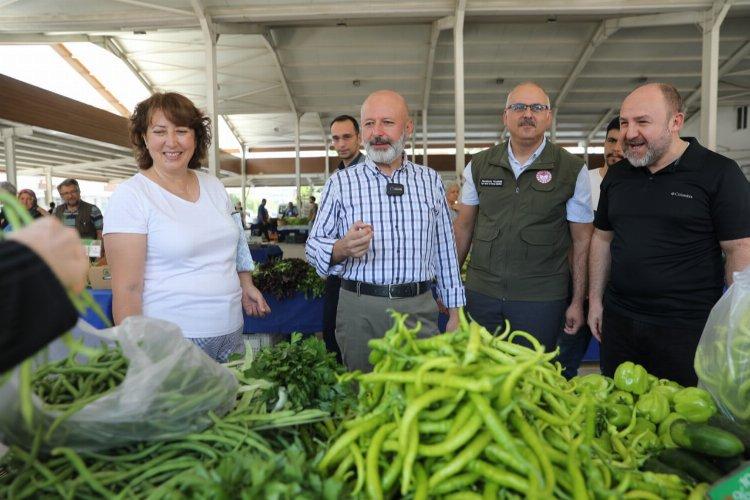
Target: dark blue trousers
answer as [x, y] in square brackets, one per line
[543, 319]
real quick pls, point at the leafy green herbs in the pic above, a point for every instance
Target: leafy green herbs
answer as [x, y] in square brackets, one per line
[284, 278]
[307, 371]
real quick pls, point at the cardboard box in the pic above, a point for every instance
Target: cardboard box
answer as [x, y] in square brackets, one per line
[100, 278]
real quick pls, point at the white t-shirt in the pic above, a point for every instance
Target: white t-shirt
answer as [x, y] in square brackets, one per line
[595, 177]
[190, 276]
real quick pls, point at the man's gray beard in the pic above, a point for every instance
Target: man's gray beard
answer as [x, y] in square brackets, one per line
[395, 149]
[653, 153]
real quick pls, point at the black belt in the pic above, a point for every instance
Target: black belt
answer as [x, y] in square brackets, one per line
[400, 291]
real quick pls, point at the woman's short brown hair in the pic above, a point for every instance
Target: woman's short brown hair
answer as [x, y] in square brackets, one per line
[179, 110]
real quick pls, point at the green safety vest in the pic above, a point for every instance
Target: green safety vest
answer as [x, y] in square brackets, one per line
[521, 235]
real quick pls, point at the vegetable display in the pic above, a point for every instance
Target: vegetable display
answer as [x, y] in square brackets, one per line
[469, 414]
[284, 278]
[250, 434]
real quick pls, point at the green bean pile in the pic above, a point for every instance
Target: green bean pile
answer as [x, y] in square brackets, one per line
[477, 416]
[67, 385]
[137, 471]
[67, 382]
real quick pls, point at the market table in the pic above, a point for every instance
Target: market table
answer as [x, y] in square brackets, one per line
[263, 253]
[286, 231]
[296, 314]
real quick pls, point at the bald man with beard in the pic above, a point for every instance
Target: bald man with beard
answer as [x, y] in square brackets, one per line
[666, 214]
[384, 227]
[525, 204]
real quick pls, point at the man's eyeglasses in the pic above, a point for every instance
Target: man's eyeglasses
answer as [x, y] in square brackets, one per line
[520, 107]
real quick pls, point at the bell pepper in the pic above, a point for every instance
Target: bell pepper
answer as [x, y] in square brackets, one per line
[670, 383]
[664, 427]
[620, 397]
[666, 391]
[618, 415]
[632, 378]
[597, 385]
[653, 406]
[695, 404]
[644, 442]
[641, 425]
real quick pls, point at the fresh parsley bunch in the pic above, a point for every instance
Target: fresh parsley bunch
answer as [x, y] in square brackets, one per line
[307, 371]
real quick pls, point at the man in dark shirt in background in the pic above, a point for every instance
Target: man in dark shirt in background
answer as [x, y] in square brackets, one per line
[666, 213]
[263, 219]
[345, 140]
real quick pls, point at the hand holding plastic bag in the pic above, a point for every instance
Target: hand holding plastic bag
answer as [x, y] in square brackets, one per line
[722, 360]
[168, 390]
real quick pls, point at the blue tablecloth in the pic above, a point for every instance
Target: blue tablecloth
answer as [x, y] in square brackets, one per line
[104, 299]
[296, 314]
[292, 315]
[264, 253]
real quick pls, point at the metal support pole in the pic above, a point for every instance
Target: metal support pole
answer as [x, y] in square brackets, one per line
[586, 152]
[424, 137]
[243, 181]
[297, 171]
[553, 129]
[10, 157]
[328, 156]
[212, 87]
[458, 63]
[48, 185]
[710, 74]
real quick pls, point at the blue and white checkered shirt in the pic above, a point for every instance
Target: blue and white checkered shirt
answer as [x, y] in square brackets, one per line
[412, 235]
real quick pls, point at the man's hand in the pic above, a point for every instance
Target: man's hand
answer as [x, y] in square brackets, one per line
[441, 307]
[58, 246]
[595, 318]
[355, 242]
[574, 319]
[452, 324]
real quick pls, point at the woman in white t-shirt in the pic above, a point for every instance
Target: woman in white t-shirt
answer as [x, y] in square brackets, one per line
[169, 234]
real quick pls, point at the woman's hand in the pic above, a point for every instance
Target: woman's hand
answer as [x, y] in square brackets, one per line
[252, 299]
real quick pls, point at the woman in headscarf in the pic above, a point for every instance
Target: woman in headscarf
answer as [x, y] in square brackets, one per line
[27, 197]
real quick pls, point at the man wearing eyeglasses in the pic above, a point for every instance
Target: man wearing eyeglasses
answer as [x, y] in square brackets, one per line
[524, 204]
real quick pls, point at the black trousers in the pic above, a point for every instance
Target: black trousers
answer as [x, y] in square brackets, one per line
[330, 305]
[664, 351]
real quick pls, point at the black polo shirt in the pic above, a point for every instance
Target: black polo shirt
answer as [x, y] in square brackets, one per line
[667, 266]
[358, 159]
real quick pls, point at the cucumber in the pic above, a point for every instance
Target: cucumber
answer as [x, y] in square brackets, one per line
[653, 464]
[726, 465]
[706, 439]
[698, 467]
[729, 425]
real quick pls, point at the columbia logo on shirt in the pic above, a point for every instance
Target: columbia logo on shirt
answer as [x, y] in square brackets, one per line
[681, 195]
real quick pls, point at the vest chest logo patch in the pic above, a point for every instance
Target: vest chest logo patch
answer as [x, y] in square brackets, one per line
[491, 182]
[543, 176]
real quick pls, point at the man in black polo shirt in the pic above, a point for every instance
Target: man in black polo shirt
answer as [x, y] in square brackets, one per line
[666, 213]
[346, 142]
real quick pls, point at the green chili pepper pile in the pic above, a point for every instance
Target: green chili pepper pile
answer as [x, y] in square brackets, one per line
[470, 414]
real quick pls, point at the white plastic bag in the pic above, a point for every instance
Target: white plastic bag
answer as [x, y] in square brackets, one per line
[169, 389]
[722, 360]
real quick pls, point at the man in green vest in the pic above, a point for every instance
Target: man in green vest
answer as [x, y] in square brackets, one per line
[526, 214]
